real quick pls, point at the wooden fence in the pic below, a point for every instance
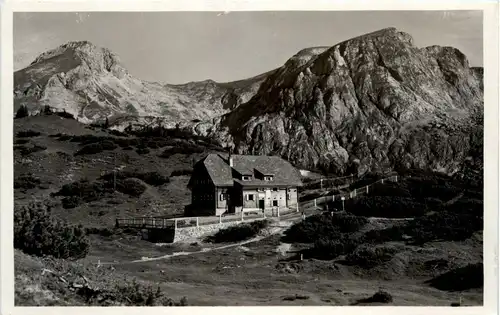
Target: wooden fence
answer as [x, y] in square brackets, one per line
[324, 200]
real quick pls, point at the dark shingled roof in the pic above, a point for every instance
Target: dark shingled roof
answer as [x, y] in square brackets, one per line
[221, 174]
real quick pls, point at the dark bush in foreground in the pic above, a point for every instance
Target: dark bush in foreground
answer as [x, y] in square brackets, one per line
[323, 226]
[460, 279]
[135, 294]
[37, 233]
[27, 134]
[64, 114]
[239, 232]
[181, 173]
[98, 147]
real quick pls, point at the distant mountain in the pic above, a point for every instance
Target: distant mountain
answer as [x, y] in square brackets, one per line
[372, 103]
[91, 83]
[375, 102]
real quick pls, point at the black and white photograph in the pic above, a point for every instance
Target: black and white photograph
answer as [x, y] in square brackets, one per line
[250, 158]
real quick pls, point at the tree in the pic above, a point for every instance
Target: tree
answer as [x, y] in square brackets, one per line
[22, 112]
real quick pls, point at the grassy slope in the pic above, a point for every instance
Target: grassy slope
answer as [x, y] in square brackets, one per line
[256, 274]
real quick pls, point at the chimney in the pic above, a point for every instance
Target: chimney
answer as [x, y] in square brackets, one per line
[230, 158]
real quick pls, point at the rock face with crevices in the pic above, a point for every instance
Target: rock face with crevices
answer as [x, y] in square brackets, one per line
[376, 102]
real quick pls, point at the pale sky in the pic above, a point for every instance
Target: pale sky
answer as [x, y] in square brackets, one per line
[178, 47]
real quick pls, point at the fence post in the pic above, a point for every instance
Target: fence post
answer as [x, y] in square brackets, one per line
[382, 181]
[175, 222]
[396, 177]
[220, 218]
[197, 222]
[315, 204]
[297, 206]
[367, 189]
[241, 215]
[278, 212]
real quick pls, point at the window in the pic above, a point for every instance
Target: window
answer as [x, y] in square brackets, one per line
[250, 197]
[275, 203]
[268, 178]
[246, 177]
[275, 189]
[222, 196]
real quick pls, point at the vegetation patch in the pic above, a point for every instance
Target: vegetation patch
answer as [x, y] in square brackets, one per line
[368, 256]
[379, 297]
[185, 148]
[239, 232]
[151, 178]
[28, 134]
[26, 181]
[460, 279]
[27, 150]
[94, 148]
[323, 226]
[36, 232]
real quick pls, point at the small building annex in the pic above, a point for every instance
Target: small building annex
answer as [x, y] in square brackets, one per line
[225, 184]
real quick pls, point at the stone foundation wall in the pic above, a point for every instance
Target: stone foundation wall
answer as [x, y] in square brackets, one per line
[192, 232]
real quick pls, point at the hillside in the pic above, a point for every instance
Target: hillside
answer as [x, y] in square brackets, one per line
[91, 83]
[378, 102]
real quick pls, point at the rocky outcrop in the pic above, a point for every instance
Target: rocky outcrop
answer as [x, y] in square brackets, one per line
[375, 102]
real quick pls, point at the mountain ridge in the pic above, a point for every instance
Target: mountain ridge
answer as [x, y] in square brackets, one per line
[378, 102]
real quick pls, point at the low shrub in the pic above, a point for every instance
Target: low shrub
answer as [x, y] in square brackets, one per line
[83, 191]
[25, 150]
[131, 186]
[98, 147]
[378, 297]
[135, 294]
[184, 148]
[64, 114]
[151, 178]
[21, 141]
[327, 248]
[181, 172]
[239, 232]
[367, 256]
[26, 181]
[27, 134]
[142, 151]
[460, 279]
[36, 232]
[323, 226]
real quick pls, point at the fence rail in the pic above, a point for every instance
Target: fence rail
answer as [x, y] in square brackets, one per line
[182, 222]
[348, 195]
